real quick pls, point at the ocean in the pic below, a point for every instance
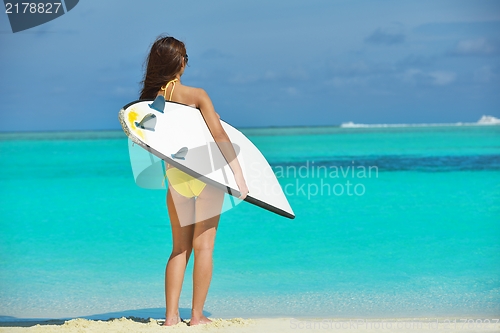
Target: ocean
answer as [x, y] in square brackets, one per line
[390, 222]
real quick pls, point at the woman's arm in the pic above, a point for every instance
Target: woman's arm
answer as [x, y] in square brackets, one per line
[221, 138]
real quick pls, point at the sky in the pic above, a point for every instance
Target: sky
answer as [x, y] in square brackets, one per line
[263, 63]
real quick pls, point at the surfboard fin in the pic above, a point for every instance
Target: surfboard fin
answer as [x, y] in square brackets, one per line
[181, 154]
[158, 104]
[147, 123]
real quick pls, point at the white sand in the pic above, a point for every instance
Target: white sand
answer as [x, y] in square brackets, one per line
[277, 325]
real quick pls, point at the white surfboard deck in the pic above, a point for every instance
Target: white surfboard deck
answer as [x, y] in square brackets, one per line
[180, 136]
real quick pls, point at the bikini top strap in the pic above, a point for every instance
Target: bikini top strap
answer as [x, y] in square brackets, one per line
[164, 88]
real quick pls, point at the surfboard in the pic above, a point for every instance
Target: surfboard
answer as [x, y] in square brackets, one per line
[177, 134]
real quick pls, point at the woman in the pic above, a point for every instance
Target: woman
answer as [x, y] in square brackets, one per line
[194, 207]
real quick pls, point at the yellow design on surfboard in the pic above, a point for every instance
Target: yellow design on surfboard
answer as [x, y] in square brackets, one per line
[132, 117]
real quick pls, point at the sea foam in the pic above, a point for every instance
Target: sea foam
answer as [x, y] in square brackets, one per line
[484, 120]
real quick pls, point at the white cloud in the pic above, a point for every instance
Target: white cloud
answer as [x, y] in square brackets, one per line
[387, 36]
[288, 75]
[339, 81]
[410, 74]
[438, 78]
[292, 91]
[292, 75]
[484, 74]
[441, 78]
[478, 46]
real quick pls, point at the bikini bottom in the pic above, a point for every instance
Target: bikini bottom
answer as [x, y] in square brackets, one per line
[184, 184]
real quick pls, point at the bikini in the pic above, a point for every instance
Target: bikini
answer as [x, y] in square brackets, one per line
[184, 184]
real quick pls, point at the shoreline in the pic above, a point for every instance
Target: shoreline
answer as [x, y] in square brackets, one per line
[136, 324]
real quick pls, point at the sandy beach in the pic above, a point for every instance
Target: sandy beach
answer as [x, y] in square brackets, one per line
[271, 325]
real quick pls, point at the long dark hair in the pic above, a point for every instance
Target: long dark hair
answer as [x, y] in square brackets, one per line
[162, 64]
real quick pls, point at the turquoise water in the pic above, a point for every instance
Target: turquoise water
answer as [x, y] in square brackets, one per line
[416, 234]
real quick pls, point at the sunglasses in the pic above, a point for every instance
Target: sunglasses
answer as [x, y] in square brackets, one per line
[186, 58]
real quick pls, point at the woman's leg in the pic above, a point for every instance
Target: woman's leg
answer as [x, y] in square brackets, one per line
[208, 209]
[182, 239]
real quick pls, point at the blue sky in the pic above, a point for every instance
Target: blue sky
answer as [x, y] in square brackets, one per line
[264, 63]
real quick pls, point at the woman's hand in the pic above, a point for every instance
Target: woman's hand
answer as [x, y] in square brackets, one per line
[242, 185]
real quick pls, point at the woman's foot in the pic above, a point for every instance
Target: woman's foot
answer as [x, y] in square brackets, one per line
[199, 320]
[170, 321]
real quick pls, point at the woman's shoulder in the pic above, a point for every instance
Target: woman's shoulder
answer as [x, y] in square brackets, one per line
[198, 94]
[194, 90]
[199, 98]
